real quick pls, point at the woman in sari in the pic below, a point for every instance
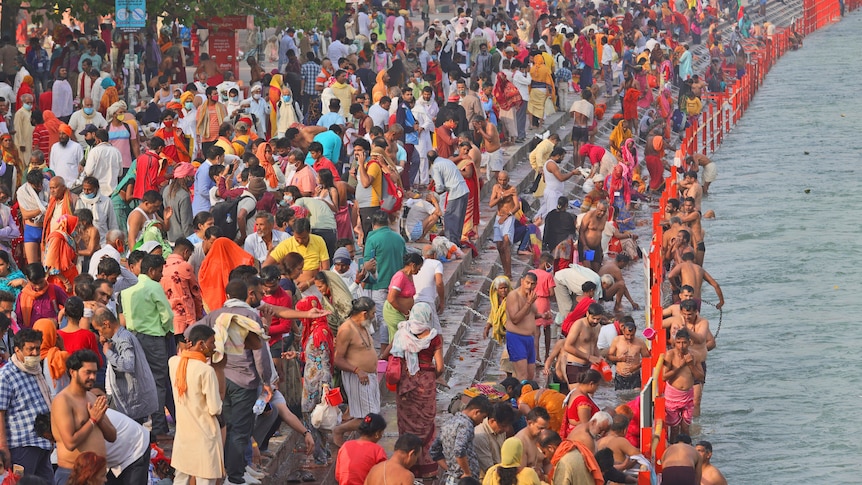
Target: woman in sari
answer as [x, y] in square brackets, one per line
[399, 300]
[619, 135]
[579, 404]
[275, 85]
[53, 356]
[152, 231]
[470, 172]
[336, 297]
[60, 256]
[12, 160]
[421, 351]
[646, 97]
[274, 178]
[318, 351]
[12, 280]
[541, 88]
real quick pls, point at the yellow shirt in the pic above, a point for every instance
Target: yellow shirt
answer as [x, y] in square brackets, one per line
[313, 254]
[527, 476]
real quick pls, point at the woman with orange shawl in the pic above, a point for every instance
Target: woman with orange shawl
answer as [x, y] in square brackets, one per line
[110, 96]
[223, 257]
[176, 146]
[52, 124]
[26, 88]
[53, 356]
[60, 256]
[273, 175]
[541, 88]
[275, 86]
[12, 159]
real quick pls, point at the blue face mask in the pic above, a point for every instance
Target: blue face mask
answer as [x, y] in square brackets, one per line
[89, 196]
[88, 111]
[28, 106]
[190, 106]
[234, 99]
[286, 99]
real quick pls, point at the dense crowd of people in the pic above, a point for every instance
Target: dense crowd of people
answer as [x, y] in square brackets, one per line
[223, 257]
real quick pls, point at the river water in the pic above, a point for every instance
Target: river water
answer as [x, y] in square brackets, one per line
[783, 390]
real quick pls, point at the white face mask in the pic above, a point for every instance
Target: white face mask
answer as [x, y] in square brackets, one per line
[256, 96]
[31, 362]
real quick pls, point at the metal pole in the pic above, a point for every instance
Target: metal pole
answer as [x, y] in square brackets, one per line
[129, 65]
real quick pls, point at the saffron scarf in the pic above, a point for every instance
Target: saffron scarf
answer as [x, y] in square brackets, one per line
[182, 383]
[270, 177]
[26, 300]
[589, 460]
[51, 356]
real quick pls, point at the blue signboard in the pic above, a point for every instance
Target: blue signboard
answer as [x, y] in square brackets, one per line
[131, 14]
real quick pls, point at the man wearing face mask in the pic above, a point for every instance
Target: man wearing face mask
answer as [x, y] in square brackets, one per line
[259, 108]
[24, 394]
[104, 217]
[209, 117]
[66, 156]
[104, 161]
[85, 116]
[23, 127]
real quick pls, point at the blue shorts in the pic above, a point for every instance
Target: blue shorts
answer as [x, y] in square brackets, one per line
[32, 234]
[521, 347]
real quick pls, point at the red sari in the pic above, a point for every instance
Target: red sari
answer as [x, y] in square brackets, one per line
[471, 220]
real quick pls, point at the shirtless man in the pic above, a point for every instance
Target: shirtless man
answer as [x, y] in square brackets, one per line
[616, 442]
[680, 245]
[79, 423]
[592, 431]
[670, 211]
[504, 198]
[590, 235]
[468, 149]
[702, 340]
[686, 292]
[628, 351]
[580, 345]
[710, 475]
[207, 68]
[396, 470]
[491, 140]
[618, 290]
[690, 216]
[521, 327]
[681, 463]
[675, 225]
[691, 188]
[301, 136]
[681, 370]
[538, 420]
[693, 275]
[356, 356]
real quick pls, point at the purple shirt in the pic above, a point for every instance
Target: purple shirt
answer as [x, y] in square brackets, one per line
[43, 307]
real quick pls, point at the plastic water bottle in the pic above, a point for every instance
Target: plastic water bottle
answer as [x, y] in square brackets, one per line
[259, 405]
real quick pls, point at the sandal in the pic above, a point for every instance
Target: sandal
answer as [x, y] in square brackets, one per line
[307, 476]
[294, 477]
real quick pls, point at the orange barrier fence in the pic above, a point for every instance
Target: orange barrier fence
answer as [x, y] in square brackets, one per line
[722, 111]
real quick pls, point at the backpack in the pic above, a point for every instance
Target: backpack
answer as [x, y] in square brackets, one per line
[392, 197]
[225, 215]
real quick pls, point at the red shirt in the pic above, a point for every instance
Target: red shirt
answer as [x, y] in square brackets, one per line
[81, 339]
[279, 326]
[355, 460]
[323, 163]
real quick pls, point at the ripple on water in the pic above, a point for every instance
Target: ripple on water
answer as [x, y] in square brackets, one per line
[783, 384]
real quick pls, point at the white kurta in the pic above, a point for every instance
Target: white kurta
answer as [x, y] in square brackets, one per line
[198, 449]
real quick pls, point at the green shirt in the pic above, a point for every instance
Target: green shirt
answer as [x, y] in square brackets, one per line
[147, 309]
[319, 214]
[388, 247]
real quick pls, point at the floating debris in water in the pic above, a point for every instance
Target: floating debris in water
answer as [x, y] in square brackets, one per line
[807, 191]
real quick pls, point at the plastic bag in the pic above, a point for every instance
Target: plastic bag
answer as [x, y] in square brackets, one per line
[324, 416]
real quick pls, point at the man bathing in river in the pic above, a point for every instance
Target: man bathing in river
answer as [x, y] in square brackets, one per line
[521, 327]
[691, 274]
[681, 370]
[710, 475]
[681, 463]
[627, 351]
[702, 340]
[590, 236]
